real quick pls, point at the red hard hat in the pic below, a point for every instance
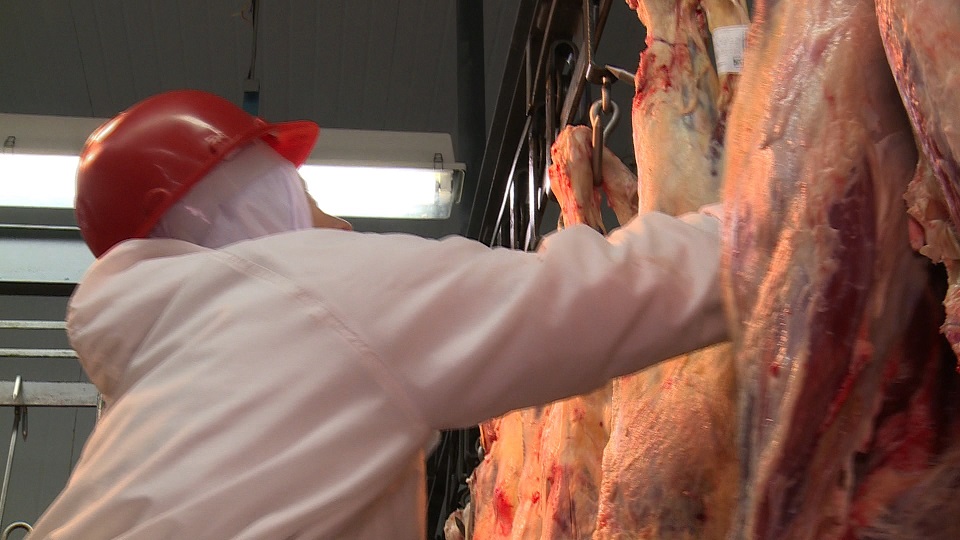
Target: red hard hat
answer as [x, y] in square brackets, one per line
[134, 167]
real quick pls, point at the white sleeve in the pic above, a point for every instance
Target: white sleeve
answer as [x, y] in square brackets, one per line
[474, 332]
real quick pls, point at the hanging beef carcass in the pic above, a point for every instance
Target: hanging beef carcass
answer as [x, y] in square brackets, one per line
[848, 402]
[540, 476]
[575, 430]
[842, 389]
[676, 415]
[670, 467]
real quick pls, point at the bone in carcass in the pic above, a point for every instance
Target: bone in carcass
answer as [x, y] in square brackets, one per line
[924, 55]
[571, 172]
[574, 435]
[822, 284]
[505, 489]
[563, 441]
[670, 466]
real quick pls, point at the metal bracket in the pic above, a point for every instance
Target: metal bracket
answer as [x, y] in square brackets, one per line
[596, 73]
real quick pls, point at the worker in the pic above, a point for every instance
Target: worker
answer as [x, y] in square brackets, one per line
[265, 378]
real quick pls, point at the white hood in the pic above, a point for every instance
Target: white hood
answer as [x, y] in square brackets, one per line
[253, 193]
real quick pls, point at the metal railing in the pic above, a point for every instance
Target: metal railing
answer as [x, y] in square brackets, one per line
[21, 395]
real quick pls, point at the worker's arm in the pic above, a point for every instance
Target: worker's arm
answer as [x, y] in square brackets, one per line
[473, 332]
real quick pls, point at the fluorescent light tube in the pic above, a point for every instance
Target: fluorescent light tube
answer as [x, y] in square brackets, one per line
[37, 180]
[353, 173]
[48, 181]
[383, 192]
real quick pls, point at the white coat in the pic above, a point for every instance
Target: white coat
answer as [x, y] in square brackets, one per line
[288, 387]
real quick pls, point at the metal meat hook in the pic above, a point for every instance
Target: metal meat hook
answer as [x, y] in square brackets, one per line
[600, 132]
[14, 526]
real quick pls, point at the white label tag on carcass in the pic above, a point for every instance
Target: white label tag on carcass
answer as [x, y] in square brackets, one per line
[728, 45]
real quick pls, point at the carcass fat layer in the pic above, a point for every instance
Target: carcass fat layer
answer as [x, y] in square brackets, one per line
[680, 412]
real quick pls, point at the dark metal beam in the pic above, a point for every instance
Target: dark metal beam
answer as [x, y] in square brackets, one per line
[471, 103]
[508, 118]
[24, 288]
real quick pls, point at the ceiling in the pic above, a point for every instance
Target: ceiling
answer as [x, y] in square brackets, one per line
[362, 64]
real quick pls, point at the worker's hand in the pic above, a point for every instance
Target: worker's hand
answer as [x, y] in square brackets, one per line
[571, 177]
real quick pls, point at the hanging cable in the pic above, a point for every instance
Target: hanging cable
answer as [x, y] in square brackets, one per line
[251, 86]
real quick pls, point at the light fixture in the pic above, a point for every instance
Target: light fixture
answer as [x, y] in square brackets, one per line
[38, 159]
[36, 180]
[351, 173]
[386, 174]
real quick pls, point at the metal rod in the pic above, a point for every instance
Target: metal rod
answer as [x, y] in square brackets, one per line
[589, 28]
[593, 28]
[9, 467]
[42, 228]
[33, 325]
[497, 228]
[542, 58]
[507, 116]
[513, 171]
[533, 164]
[50, 394]
[37, 353]
[471, 103]
[14, 396]
[513, 210]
